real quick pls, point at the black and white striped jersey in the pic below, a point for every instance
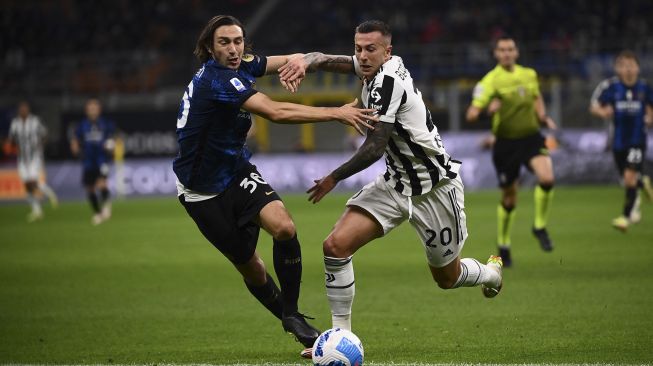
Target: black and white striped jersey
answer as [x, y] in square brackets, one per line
[415, 156]
[28, 134]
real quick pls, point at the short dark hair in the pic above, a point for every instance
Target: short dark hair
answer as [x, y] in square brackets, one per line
[205, 41]
[628, 54]
[504, 37]
[370, 26]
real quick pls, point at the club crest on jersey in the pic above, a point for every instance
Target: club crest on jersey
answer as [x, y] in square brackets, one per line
[376, 94]
[237, 84]
[248, 57]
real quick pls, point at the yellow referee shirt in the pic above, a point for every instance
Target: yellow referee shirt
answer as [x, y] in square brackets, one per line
[517, 91]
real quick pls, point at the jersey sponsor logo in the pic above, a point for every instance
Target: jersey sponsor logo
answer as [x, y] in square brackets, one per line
[237, 84]
[632, 106]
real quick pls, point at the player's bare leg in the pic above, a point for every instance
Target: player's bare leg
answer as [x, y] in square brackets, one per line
[468, 272]
[287, 256]
[505, 218]
[354, 229]
[543, 168]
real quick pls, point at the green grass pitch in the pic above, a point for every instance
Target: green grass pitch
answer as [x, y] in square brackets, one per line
[146, 288]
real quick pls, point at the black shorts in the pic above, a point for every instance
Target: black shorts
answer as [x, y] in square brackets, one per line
[91, 175]
[631, 158]
[509, 155]
[227, 220]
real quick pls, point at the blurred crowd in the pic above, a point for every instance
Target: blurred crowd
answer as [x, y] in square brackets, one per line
[78, 46]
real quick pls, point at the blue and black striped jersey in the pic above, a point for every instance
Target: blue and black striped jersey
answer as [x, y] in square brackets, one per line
[629, 104]
[92, 137]
[211, 126]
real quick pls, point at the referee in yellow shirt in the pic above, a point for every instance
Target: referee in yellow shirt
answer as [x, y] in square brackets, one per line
[511, 95]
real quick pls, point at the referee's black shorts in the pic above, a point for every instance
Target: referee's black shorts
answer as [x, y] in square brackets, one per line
[509, 155]
[227, 220]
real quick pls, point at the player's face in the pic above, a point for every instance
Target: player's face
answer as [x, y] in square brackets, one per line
[228, 46]
[372, 50]
[23, 110]
[93, 110]
[627, 70]
[506, 53]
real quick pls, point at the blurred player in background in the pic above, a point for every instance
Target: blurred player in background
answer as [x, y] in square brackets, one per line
[511, 94]
[28, 134]
[93, 141]
[421, 183]
[220, 189]
[628, 101]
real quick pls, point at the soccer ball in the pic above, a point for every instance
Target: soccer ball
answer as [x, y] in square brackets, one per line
[337, 347]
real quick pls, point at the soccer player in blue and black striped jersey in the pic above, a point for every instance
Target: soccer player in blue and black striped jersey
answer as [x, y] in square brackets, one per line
[220, 189]
[628, 101]
[93, 140]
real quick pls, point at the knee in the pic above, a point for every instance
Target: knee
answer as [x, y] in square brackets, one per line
[284, 229]
[547, 184]
[335, 247]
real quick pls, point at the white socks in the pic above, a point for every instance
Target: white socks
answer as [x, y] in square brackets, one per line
[340, 288]
[34, 204]
[473, 273]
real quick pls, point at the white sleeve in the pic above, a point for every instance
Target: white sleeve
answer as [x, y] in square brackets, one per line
[42, 130]
[594, 100]
[13, 133]
[386, 98]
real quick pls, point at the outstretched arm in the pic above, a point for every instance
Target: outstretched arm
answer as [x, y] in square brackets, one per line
[283, 112]
[294, 71]
[371, 150]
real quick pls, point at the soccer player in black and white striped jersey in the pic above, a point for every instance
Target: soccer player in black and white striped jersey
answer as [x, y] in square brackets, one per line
[421, 183]
[28, 134]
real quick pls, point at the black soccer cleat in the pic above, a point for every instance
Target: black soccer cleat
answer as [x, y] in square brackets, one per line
[543, 236]
[297, 325]
[504, 253]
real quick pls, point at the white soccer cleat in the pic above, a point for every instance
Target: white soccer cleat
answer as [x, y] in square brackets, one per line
[34, 216]
[621, 223]
[97, 219]
[496, 264]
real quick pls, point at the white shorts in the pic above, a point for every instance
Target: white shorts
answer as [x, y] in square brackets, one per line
[30, 171]
[438, 216]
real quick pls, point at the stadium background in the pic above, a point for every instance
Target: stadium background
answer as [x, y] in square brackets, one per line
[145, 287]
[137, 58]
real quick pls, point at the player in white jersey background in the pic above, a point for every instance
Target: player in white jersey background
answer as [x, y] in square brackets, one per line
[421, 183]
[28, 134]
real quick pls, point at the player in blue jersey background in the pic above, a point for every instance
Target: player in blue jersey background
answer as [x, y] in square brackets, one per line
[93, 141]
[628, 101]
[220, 189]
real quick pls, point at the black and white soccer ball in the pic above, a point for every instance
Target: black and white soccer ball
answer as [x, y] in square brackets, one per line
[337, 347]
